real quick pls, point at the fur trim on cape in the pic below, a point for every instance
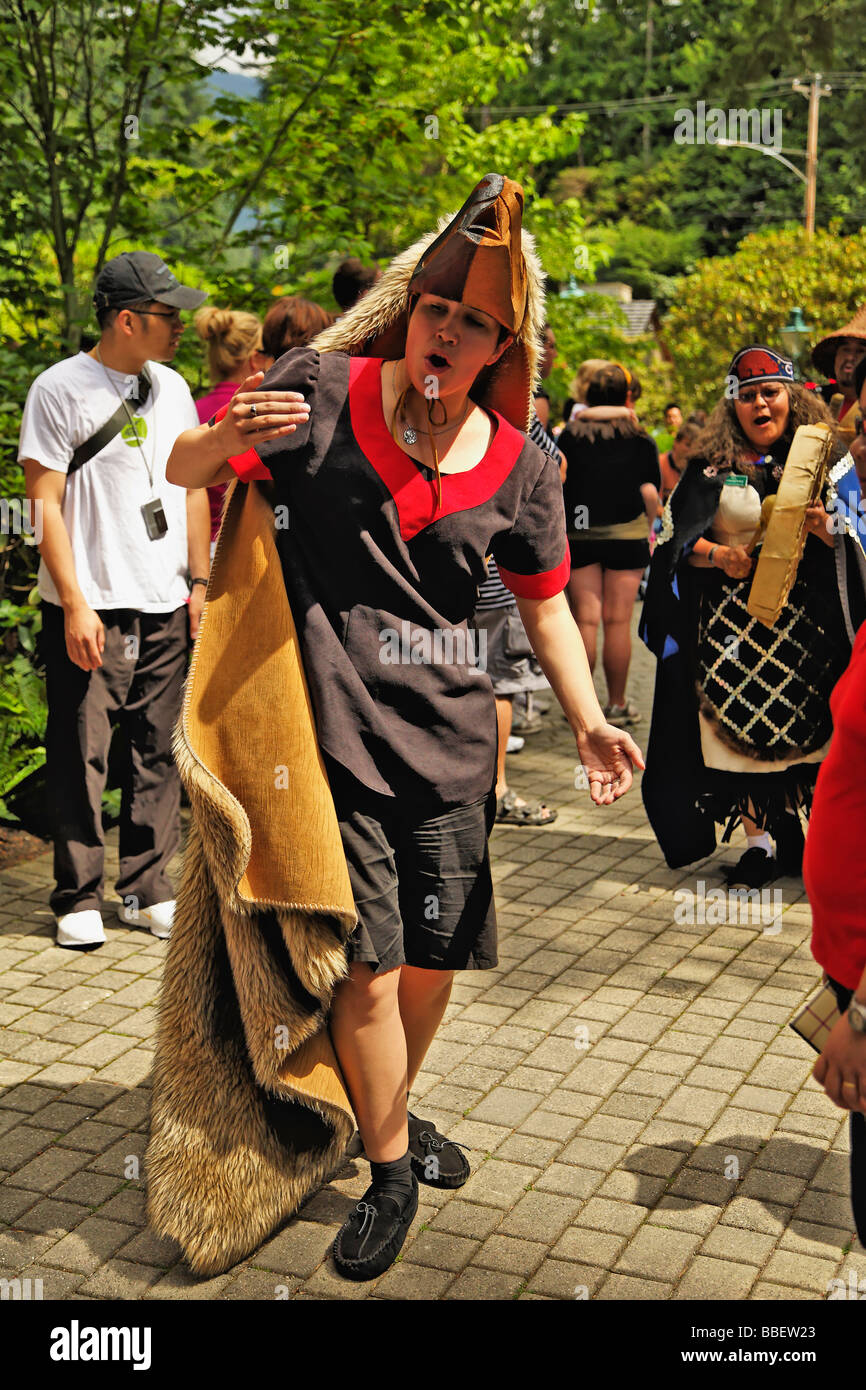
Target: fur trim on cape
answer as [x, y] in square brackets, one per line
[376, 327]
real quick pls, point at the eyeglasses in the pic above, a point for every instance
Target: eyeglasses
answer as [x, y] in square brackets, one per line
[751, 393]
[154, 314]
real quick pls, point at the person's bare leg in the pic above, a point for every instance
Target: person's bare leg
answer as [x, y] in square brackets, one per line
[423, 997]
[620, 591]
[504, 714]
[585, 597]
[368, 1037]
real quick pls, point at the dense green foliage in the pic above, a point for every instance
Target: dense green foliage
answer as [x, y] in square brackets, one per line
[747, 297]
[371, 119]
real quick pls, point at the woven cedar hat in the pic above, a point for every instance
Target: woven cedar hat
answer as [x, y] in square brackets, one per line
[480, 256]
[824, 353]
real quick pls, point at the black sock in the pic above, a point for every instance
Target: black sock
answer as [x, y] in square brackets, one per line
[393, 1179]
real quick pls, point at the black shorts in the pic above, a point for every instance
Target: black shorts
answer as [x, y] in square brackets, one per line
[611, 555]
[422, 888]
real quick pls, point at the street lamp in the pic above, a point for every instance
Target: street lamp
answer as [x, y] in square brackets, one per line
[814, 92]
[796, 336]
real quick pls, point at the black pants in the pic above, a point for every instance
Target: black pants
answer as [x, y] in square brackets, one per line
[138, 685]
[858, 1139]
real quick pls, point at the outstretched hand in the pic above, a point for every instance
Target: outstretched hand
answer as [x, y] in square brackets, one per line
[276, 413]
[607, 755]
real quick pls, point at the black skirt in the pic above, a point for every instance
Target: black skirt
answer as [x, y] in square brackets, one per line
[422, 885]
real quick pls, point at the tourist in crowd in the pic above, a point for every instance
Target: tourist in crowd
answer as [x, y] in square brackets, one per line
[665, 434]
[352, 279]
[583, 377]
[672, 463]
[234, 343]
[514, 673]
[239, 344]
[124, 566]
[291, 322]
[741, 716]
[611, 502]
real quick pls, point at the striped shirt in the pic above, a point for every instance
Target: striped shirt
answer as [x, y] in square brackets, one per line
[492, 593]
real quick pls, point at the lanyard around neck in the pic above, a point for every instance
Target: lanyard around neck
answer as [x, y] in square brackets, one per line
[137, 402]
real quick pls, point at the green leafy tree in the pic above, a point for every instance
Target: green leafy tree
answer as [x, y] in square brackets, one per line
[730, 301]
[614, 54]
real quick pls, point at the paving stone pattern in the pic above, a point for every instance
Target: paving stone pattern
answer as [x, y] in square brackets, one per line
[642, 1121]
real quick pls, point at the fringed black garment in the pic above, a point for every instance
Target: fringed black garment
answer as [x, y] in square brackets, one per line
[763, 693]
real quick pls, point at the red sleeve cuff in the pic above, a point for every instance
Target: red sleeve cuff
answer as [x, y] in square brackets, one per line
[248, 466]
[545, 585]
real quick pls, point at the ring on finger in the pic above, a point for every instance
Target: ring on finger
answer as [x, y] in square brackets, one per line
[253, 411]
[850, 1085]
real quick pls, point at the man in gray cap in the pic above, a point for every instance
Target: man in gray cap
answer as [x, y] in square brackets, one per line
[122, 580]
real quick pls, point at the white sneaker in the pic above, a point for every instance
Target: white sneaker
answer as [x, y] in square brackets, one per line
[80, 928]
[514, 744]
[159, 916]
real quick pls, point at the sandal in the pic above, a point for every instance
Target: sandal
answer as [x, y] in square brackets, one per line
[511, 810]
[622, 716]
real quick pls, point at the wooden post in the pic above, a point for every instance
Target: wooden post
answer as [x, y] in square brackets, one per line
[815, 91]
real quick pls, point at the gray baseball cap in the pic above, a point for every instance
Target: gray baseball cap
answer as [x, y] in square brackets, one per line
[137, 275]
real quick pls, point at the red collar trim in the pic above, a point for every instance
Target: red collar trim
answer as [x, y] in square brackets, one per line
[413, 494]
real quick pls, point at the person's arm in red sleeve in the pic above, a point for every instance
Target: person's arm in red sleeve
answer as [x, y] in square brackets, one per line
[202, 456]
[834, 874]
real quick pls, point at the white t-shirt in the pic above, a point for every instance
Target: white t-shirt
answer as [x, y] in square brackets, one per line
[116, 563]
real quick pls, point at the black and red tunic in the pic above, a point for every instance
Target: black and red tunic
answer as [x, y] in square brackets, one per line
[382, 589]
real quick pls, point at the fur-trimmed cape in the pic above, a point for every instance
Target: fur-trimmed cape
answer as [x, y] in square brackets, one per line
[249, 1111]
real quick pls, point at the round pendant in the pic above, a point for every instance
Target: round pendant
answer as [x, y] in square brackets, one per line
[410, 436]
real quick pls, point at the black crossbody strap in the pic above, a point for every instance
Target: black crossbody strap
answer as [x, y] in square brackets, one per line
[113, 426]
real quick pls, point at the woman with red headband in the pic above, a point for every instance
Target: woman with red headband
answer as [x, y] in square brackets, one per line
[394, 455]
[741, 714]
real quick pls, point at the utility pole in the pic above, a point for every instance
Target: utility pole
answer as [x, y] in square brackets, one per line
[814, 91]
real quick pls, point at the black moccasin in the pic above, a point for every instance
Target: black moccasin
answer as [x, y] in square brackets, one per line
[435, 1160]
[372, 1237]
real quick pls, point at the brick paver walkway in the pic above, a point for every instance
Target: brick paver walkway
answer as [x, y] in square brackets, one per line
[641, 1119]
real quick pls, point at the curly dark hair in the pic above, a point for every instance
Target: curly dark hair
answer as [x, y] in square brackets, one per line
[722, 440]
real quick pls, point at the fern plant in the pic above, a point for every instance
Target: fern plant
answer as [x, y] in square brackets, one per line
[23, 711]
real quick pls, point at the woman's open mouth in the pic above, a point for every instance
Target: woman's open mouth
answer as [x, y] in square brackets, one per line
[761, 420]
[437, 361]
